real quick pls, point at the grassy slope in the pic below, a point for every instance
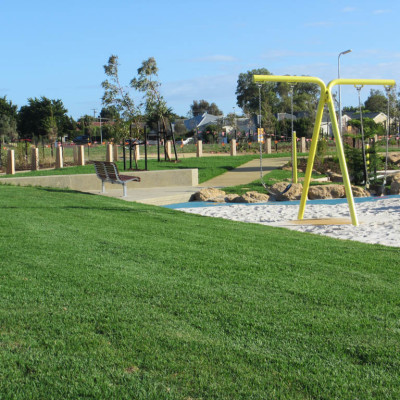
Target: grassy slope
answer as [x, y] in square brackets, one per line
[100, 298]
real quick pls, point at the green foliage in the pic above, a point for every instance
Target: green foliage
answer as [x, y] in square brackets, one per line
[156, 106]
[109, 113]
[117, 98]
[202, 106]
[34, 119]
[322, 149]
[370, 127]
[376, 102]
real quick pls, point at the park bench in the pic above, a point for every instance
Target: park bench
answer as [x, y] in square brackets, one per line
[108, 172]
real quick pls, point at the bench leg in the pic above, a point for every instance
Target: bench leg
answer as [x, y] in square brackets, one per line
[103, 189]
[124, 185]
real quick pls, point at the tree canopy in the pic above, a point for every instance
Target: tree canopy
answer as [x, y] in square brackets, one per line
[202, 106]
[8, 119]
[376, 101]
[43, 117]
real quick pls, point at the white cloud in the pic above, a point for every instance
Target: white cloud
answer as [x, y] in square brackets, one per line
[348, 9]
[376, 12]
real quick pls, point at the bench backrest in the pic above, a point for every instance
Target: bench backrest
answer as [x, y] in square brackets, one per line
[106, 170]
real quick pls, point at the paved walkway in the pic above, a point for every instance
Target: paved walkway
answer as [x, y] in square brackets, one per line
[246, 173]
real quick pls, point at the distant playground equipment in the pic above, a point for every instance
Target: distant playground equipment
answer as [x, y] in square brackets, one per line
[325, 98]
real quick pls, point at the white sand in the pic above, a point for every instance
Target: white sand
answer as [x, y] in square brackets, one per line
[379, 220]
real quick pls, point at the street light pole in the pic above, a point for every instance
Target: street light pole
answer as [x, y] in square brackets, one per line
[340, 104]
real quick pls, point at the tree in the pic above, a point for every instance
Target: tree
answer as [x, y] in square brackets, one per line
[376, 102]
[34, 118]
[117, 97]
[110, 113]
[202, 106]
[155, 104]
[8, 119]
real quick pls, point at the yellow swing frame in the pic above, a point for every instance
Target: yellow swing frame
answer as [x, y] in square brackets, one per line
[325, 98]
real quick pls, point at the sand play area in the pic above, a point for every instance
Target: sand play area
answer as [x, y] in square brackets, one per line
[379, 218]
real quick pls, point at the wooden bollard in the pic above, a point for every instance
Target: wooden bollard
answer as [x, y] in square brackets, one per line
[199, 151]
[10, 162]
[81, 155]
[109, 152]
[75, 154]
[303, 148]
[59, 158]
[268, 149]
[34, 159]
[233, 147]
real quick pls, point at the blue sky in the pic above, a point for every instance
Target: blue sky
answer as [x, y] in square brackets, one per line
[58, 49]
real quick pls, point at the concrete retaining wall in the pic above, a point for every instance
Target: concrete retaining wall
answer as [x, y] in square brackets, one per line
[88, 182]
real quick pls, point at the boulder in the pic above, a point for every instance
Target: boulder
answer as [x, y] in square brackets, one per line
[207, 194]
[282, 191]
[252, 197]
[334, 192]
[326, 192]
[394, 158]
[232, 198]
[395, 185]
[360, 192]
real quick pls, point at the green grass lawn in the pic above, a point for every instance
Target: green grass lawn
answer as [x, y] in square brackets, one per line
[104, 299]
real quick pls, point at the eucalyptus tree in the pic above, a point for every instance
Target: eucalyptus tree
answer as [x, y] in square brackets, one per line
[118, 98]
[147, 83]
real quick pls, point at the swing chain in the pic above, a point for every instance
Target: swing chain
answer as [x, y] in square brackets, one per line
[388, 90]
[366, 175]
[261, 142]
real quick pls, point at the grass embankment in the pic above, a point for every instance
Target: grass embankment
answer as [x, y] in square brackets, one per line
[101, 298]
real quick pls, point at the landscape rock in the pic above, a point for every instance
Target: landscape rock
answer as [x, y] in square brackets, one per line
[334, 192]
[253, 197]
[207, 194]
[394, 158]
[232, 198]
[281, 191]
[326, 192]
[360, 192]
[395, 185]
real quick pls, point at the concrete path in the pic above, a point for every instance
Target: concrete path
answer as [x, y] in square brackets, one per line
[246, 173]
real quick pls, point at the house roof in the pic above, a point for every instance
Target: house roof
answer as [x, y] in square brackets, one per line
[372, 115]
[201, 120]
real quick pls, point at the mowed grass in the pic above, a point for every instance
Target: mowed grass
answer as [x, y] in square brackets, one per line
[101, 299]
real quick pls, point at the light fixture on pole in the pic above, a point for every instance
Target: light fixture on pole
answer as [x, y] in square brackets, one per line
[340, 105]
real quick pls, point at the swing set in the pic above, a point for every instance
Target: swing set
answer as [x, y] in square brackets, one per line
[326, 98]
